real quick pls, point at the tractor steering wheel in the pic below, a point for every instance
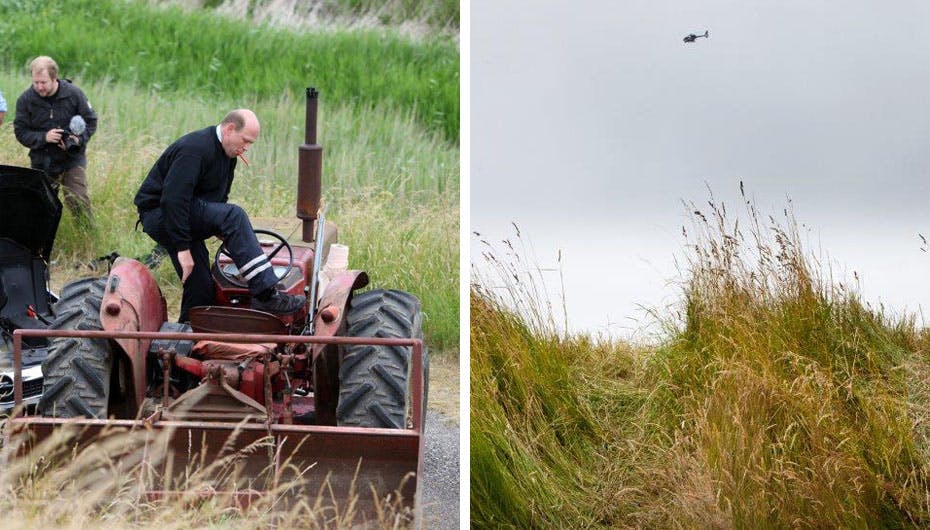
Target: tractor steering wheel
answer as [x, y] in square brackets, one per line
[233, 276]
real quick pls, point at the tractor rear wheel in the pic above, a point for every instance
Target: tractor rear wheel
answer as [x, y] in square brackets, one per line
[77, 371]
[373, 380]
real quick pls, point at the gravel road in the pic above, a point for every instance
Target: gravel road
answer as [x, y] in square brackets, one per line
[441, 473]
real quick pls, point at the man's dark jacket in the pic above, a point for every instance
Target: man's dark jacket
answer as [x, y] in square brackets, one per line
[36, 115]
[194, 167]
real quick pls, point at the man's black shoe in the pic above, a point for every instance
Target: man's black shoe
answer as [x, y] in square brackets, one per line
[280, 303]
[154, 257]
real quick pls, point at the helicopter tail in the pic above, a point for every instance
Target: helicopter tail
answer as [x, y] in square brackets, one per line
[706, 33]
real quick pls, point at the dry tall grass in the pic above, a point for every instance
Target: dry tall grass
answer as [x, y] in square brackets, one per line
[778, 400]
[107, 484]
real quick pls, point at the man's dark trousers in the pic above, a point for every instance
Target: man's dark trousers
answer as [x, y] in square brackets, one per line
[208, 219]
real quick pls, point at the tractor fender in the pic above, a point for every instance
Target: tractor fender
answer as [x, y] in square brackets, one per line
[132, 301]
[327, 322]
[331, 311]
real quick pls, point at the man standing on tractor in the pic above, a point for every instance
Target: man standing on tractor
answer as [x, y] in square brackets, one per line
[183, 202]
[55, 121]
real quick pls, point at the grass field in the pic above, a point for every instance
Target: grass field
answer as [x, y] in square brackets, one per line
[391, 177]
[777, 400]
[388, 122]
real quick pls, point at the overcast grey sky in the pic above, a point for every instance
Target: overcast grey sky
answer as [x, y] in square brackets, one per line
[592, 121]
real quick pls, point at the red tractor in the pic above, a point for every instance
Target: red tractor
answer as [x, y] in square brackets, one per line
[339, 387]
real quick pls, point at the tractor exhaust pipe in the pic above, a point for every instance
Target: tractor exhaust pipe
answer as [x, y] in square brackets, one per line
[309, 170]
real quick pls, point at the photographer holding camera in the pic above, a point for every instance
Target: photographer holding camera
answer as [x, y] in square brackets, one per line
[55, 121]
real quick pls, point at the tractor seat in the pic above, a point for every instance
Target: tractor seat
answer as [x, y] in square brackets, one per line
[221, 319]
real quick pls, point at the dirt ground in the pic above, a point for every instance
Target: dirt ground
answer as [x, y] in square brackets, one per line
[444, 385]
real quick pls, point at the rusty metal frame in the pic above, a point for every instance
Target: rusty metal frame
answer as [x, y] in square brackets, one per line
[416, 359]
[339, 446]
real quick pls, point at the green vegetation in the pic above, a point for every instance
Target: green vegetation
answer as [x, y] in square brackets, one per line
[391, 181]
[544, 406]
[388, 122]
[197, 53]
[778, 400]
[540, 407]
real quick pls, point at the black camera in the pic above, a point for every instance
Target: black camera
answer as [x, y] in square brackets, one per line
[76, 127]
[70, 142]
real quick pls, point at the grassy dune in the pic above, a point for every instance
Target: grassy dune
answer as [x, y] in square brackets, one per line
[778, 399]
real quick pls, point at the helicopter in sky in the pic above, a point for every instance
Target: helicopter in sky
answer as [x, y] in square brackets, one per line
[692, 37]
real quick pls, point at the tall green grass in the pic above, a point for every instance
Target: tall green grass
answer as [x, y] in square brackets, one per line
[540, 403]
[777, 400]
[391, 186]
[208, 57]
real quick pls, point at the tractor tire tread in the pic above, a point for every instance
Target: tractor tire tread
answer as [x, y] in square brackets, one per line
[76, 374]
[374, 379]
[55, 389]
[80, 407]
[386, 418]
